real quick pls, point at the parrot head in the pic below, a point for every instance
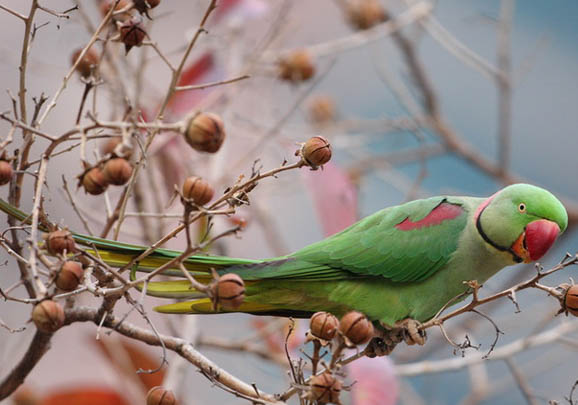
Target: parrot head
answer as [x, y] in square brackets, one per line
[521, 219]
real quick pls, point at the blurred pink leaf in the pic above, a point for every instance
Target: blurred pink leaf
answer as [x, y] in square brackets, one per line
[335, 197]
[375, 381]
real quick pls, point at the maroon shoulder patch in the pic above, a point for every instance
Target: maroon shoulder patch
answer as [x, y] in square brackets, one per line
[442, 212]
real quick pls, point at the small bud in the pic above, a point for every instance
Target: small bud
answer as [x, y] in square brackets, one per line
[87, 64]
[108, 146]
[325, 388]
[48, 316]
[316, 151]
[229, 291]
[364, 14]
[144, 5]
[198, 190]
[571, 300]
[239, 221]
[105, 6]
[6, 172]
[322, 110]
[93, 181]
[323, 325]
[69, 276]
[297, 66]
[132, 33]
[160, 396]
[205, 132]
[57, 242]
[356, 327]
[117, 171]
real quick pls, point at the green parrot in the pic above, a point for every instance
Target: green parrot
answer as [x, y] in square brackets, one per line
[403, 262]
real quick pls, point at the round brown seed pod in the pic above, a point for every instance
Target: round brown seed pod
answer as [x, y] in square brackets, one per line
[356, 327]
[297, 66]
[105, 6]
[160, 396]
[48, 316]
[205, 132]
[322, 110]
[93, 181]
[6, 172]
[323, 325]
[57, 242]
[144, 5]
[229, 291]
[198, 190]
[316, 151]
[132, 33]
[87, 64]
[364, 14]
[571, 300]
[69, 276]
[117, 171]
[325, 388]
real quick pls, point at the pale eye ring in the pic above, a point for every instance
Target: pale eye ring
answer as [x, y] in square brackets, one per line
[522, 208]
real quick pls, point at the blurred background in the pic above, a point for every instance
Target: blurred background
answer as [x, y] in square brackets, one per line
[495, 103]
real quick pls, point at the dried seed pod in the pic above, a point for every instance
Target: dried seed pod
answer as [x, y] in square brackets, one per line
[229, 291]
[571, 300]
[323, 325]
[132, 33]
[356, 327]
[205, 132]
[105, 6]
[364, 14]
[322, 110]
[117, 171]
[316, 151]
[60, 241]
[297, 66]
[69, 276]
[325, 388]
[48, 316]
[88, 63]
[144, 5]
[160, 396]
[6, 172]
[93, 181]
[198, 190]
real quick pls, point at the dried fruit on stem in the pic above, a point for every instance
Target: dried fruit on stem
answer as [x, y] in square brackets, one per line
[132, 33]
[197, 190]
[356, 327]
[69, 276]
[229, 291]
[48, 316]
[315, 152]
[205, 132]
[59, 242]
[6, 172]
[571, 300]
[325, 388]
[322, 110]
[160, 396]
[117, 171]
[144, 5]
[87, 65]
[364, 14]
[323, 325]
[297, 66]
[93, 181]
[105, 6]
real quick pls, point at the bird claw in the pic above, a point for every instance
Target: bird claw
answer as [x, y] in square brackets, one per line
[411, 332]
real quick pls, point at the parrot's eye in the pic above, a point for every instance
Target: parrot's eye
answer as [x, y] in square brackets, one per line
[522, 208]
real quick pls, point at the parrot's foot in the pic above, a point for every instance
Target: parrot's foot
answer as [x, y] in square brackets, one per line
[411, 332]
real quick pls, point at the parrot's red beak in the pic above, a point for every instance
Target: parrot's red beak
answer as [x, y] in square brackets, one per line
[536, 240]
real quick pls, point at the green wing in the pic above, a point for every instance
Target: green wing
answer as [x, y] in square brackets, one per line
[376, 246]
